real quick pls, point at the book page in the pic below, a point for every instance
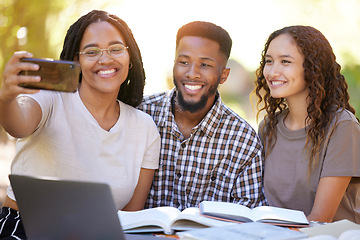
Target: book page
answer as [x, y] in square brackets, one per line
[190, 218]
[226, 210]
[248, 231]
[160, 216]
[350, 235]
[278, 215]
[334, 229]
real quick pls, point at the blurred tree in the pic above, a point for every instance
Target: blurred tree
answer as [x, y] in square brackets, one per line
[23, 26]
[352, 76]
[29, 25]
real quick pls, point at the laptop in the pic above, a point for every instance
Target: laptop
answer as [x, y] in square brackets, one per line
[63, 209]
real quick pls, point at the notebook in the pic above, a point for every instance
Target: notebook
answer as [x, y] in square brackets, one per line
[62, 209]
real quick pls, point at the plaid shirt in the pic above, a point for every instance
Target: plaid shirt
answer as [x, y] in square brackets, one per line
[220, 161]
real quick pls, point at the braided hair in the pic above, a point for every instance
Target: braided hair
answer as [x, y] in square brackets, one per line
[132, 90]
[328, 90]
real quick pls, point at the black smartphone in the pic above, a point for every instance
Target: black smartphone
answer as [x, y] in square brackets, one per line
[55, 75]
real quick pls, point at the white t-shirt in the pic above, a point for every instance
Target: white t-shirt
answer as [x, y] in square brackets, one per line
[70, 144]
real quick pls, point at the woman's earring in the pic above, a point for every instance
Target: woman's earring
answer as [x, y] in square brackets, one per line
[131, 65]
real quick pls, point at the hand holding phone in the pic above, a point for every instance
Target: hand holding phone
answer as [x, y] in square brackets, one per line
[55, 75]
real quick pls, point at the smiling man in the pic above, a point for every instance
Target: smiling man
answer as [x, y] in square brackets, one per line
[207, 151]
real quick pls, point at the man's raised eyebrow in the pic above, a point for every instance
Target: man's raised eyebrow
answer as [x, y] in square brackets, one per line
[183, 55]
[208, 59]
[202, 58]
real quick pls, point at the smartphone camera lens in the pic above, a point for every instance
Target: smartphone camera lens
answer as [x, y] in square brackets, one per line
[72, 66]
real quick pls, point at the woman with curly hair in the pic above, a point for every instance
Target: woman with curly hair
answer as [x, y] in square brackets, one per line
[310, 134]
[95, 134]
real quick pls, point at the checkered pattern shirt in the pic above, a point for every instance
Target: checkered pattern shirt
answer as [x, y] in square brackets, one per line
[220, 161]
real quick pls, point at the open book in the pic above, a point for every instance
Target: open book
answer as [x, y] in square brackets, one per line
[165, 219]
[265, 214]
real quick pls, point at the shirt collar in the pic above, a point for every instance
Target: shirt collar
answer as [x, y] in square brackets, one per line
[166, 117]
[211, 120]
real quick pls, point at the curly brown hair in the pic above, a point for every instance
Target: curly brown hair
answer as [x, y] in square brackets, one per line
[328, 90]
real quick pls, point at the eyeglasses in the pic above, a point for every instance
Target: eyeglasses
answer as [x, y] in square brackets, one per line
[94, 53]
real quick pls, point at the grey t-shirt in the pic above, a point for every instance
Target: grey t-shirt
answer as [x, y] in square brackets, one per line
[286, 181]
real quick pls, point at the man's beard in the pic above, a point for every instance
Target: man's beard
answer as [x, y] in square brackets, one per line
[193, 107]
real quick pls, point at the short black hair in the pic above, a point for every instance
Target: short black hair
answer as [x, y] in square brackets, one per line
[207, 30]
[132, 90]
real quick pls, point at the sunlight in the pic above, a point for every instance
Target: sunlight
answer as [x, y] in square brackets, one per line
[155, 24]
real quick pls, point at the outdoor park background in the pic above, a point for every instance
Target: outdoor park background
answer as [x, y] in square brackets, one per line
[39, 26]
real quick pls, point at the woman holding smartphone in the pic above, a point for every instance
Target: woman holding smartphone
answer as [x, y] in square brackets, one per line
[94, 134]
[310, 134]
